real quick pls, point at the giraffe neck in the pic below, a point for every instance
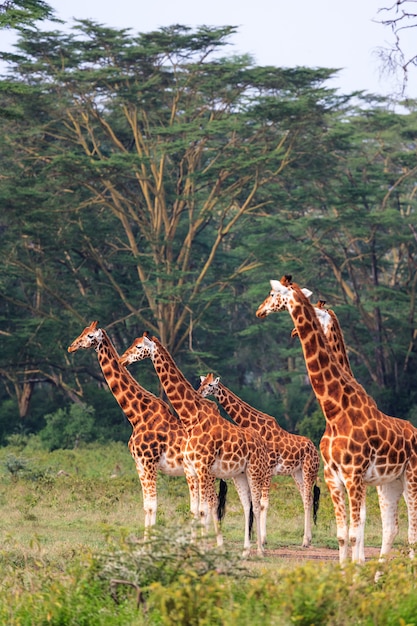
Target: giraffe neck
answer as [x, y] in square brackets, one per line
[182, 395]
[335, 390]
[337, 343]
[239, 410]
[123, 386]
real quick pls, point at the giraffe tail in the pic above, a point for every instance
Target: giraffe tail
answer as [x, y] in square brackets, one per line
[316, 502]
[251, 521]
[221, 506]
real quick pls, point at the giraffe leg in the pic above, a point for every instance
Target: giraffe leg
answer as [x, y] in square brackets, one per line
[203, 516]
[410, 496]
[357, 506]
[208, 504]
[259, 492]
[264, 509]
[147, 477]
[194, 491]
[192, 482]
[389, 495]
[213, 501]
[337, 494]
[242, 488]
[305, 487]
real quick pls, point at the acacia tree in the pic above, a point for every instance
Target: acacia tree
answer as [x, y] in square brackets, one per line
[20, 13]
[133, 166]
[401, 18]
[370, 214]
[349, 227]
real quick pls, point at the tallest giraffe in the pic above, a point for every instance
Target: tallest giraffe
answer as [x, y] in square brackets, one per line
[361, 445]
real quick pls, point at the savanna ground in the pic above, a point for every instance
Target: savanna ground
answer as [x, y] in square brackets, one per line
[67, 519]
[67, 498]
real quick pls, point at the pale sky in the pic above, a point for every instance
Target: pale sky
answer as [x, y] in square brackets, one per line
[285, 33]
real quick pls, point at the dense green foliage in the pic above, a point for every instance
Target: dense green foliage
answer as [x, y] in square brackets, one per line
[307, 594]
[21, 13]
[150, 182]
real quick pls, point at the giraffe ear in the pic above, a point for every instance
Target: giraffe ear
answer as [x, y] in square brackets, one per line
[147, 341]
[216, 380]
[202, 379]
[307, 292]
[277, 286]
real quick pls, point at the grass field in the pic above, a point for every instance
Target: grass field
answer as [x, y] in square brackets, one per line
[69, 498]
[59, 508]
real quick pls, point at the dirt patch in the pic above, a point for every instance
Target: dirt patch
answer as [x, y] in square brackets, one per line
[315, 554]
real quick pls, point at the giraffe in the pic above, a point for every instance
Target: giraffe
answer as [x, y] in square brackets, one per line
[215, 446]
[288, 454]
[361, 445]
[158, 438]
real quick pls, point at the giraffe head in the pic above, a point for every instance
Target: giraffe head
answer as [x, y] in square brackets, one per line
[208, 385]
[89, 338]
[281, 294]
[141, 348]
[278, 297]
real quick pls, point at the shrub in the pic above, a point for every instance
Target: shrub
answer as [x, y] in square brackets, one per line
[9, 418]
[65, 428]
[194, 600]
[73, 598]
[163, 557]
[15, 465]
[312, 426]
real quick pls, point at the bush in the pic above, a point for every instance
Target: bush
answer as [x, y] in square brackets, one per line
[73, 598]
[312, 426]
[110, 422]
[66, 428]
[15, 465]
[194, 600]
[167, 554]
[9, 418]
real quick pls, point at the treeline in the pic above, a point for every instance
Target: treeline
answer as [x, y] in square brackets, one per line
[156, 182]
